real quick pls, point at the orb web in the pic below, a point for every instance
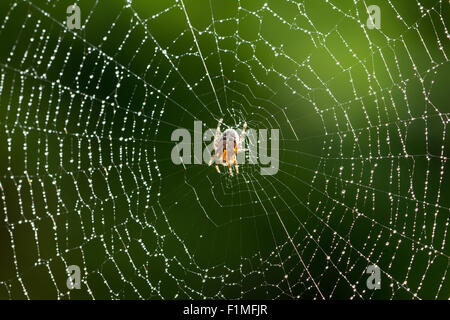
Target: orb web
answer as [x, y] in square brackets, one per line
[86, 176]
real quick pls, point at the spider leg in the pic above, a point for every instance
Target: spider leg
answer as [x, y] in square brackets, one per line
[216, 143]
[218, 125]
[236, 166]
[229, 167]
[212, 159]
[242, 136]
[217, 168]
[214, 156]
[217, 134]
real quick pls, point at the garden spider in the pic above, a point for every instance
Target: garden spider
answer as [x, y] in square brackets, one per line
[226, 147]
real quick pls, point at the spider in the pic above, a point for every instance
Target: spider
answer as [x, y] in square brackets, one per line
[226, 146]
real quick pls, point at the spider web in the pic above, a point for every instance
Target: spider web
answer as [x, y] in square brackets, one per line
[86, 177]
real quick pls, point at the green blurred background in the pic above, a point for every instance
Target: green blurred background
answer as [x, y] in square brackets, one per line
[86, 176]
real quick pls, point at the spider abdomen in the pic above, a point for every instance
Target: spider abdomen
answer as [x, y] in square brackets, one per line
[226, 146]
[229, 142]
